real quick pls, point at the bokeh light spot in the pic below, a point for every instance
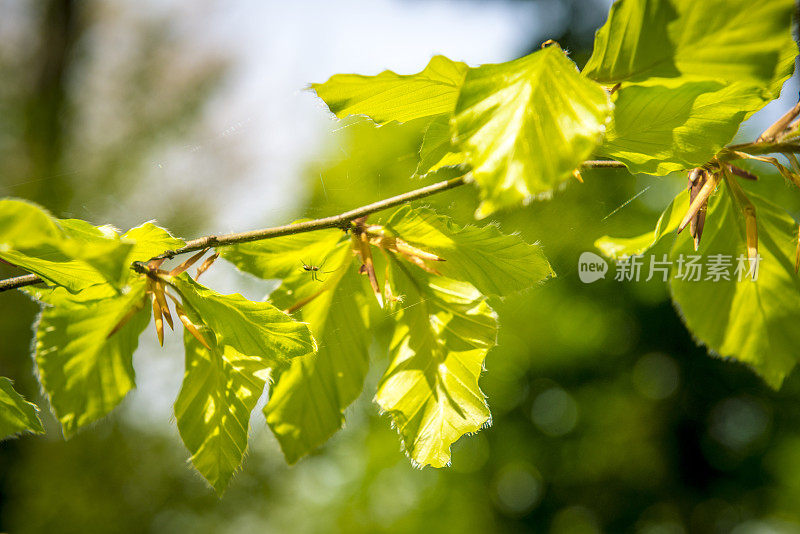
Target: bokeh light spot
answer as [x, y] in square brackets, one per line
[738, 422]
[656, 376]
[555, 412]
[518, 488]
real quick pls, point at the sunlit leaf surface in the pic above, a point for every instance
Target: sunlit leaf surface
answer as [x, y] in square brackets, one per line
[667, 125]
[84, 372]
[16, 414]
[495, 263]
[527, 124]
[753, 321]
[725, 40]
[70, 253]
[430, 388]
[395, 97]
[223, 383]
[251, 328]
[220, 388]
[309, 397]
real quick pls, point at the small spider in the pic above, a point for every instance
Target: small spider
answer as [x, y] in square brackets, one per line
[315, 270]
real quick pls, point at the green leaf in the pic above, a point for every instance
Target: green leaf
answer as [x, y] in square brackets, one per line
[251, 328]
[430, 388]
[307, 402]
[669, 125]
[151, 240]
[526, 125]
[16, 414]
[752, 321]
[84, 372]
[99, 247]
[221, 386]
[144, 242]
[70, 253]
[394, 97]
[24, 225]
[437, 150]
[621, 247]
[705, 68]
[306, 405]
[726, 40]
[284, 257]
[495, 263]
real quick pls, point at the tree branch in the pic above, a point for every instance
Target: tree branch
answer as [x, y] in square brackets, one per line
[19, 281]
[603, 164]
[341, 220]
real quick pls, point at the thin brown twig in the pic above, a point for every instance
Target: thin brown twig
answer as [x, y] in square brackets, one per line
[19, 281]
[780, 125]
[603, 164]
[341, 220]
[729, 152]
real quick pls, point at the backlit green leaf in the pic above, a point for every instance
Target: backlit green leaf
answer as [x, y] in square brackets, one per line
[395, 97]
[668, 125]
[620, 247]
[69, 253]
[526, 125]
[284, 257]
[307, 402]
[151, 240]
[430, 388]
[726, 40]
[752, 321]
[437, 149]
[222, 384]
[220, 388]
[99, 247]
[16, 414]
[24, 225]
[493, 262]
[251, 328]
[84, 372]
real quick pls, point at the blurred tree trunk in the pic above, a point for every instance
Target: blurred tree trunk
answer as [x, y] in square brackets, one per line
[47, 105]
